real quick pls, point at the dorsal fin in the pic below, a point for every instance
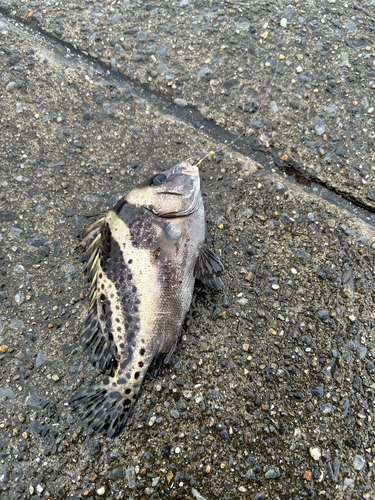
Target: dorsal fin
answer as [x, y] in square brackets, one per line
[101, 350]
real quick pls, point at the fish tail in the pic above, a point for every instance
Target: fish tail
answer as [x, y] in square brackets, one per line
[103, 407]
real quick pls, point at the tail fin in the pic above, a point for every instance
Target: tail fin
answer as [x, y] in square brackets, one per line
[103, 407]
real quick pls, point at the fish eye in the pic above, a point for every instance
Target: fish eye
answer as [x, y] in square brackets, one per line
[159, 179]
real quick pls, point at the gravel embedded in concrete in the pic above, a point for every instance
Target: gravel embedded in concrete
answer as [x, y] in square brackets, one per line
[226, 421]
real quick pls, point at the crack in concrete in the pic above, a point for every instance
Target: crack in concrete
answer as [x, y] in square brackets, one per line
[269, 158]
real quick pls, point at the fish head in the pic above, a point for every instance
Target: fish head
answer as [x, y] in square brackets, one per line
[173, 193]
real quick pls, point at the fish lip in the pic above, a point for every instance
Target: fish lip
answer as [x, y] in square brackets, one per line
[188, 168]
[183, 168]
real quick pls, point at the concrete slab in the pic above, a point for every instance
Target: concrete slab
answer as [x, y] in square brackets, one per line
[271, 390]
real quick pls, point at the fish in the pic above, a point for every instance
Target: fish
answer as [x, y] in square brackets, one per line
[142, 259]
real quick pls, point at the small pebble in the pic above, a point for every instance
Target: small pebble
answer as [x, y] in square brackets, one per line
[359, 462]
[315, 452]
[272, 473]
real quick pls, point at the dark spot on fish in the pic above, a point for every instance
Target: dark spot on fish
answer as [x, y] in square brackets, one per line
[140, 364]
[100, 275]
[121, 381]
[122, 345]
[129, 276]
[127, 402]
[117, 307]
[142, 351]
[102, 287]
[119, 329]
[115, 395]
[126, 361]
[134, 289]
[105, 249]
[102, 296]
[106, 381]
[128, 391]
[141, 224]
[129, 318]
[110, 336]
[101, 317]
[118, 320]
[128, 375]
[136, 375]
[134, 396]
[130, 336]
[130, 261]
[135, 309]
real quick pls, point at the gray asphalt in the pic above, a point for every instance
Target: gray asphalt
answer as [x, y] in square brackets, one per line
[271, 391]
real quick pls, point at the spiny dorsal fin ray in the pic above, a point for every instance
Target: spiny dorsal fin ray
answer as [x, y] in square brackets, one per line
[208, 268]
[101, 350]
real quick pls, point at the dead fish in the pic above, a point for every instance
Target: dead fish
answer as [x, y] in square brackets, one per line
[143, 259]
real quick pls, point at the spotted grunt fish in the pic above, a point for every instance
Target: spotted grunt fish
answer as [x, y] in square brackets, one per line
[143, 258]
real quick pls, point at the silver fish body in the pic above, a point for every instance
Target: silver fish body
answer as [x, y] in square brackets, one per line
[143, 261]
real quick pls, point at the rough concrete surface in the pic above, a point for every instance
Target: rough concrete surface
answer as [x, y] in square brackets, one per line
[315, 58]
[271, 391]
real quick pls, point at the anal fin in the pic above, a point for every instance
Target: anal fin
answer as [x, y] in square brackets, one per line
[208, 268]
[162, 359]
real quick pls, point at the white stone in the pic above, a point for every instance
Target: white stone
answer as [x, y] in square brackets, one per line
[196, 494]
[315, 452]
[359, 462]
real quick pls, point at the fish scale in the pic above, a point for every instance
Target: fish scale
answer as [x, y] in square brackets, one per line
[143, 258]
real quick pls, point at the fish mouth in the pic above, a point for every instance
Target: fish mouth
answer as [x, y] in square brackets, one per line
[184, 168]
[188, 168]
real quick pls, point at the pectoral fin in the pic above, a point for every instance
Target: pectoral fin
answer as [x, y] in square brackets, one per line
[208, 268]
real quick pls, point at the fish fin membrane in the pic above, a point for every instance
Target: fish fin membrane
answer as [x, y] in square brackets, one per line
[208, 268]
[157, 366]
[214, 283]
[103, 408]
[102, 352]
[92, 241]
